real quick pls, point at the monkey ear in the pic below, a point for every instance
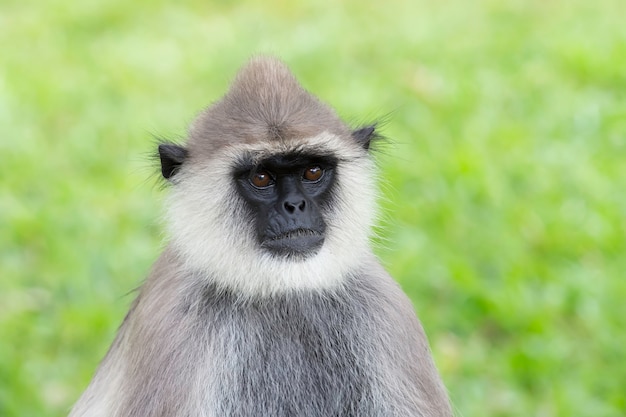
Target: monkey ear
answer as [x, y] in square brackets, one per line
[172, 157]
[365, 135]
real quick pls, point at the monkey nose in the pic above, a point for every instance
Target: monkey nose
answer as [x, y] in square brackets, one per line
[292, 207]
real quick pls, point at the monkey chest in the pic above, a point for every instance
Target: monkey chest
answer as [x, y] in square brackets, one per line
[308, 358]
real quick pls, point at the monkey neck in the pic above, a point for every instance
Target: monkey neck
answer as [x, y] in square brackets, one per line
[265, 276]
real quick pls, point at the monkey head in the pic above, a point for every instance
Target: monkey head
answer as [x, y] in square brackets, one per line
[271, 192]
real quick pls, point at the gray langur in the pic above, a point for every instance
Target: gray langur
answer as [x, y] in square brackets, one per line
[267, 300]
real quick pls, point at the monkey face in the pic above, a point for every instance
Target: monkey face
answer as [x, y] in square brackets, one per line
[265, 218]
[286, 196]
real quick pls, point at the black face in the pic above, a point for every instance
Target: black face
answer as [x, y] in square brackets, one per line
[285, 195]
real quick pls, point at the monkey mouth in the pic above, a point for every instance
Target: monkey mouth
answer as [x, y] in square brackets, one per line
[294, 242]
[297, 233]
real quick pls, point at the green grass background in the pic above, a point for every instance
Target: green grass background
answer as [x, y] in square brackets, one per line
[504, 189]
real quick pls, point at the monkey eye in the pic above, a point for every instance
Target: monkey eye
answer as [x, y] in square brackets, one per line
[261, 179]
[313, 173]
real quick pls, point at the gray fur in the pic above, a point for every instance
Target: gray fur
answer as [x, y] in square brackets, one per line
[356, 351]
[265, 103]
[198, 342]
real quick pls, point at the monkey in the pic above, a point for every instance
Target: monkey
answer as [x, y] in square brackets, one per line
[267, 299]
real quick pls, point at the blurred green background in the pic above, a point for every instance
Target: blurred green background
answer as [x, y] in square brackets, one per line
[504, 185]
